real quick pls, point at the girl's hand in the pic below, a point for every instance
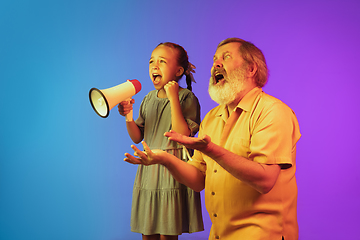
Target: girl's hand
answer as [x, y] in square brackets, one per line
[125, 107]
[146, 157]
[172, 90]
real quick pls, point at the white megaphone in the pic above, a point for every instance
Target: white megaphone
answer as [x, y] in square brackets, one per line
[104, 100]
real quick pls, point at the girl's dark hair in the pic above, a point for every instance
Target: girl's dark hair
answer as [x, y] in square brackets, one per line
[183, 61]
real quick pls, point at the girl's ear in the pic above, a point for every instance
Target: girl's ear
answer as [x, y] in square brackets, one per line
[180, 71]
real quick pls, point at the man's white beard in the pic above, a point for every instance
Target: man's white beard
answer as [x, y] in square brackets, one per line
[228, 92]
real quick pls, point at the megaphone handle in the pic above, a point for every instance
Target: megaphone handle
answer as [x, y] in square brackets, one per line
[129, 116]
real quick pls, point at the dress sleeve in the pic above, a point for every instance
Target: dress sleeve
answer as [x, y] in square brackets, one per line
[191, 111]
[197, 160]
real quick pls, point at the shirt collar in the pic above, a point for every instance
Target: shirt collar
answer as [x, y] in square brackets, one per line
[245, 103]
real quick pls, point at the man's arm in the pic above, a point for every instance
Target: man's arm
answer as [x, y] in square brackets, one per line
[261, 177]
[181, 171]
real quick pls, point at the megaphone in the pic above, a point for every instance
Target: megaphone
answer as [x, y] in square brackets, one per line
[104, 100]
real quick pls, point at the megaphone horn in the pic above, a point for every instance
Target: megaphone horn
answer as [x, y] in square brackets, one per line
[104, 100]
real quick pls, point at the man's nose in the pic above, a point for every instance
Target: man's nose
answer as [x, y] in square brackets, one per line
[218, 64]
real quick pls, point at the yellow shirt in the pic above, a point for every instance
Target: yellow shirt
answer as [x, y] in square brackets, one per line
[266, 132]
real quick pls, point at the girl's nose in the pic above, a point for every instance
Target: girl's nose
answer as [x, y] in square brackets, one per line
[154, 66]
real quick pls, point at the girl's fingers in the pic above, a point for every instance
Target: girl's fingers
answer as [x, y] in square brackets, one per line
[131, 159]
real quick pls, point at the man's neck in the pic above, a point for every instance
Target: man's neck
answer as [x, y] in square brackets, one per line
[231, 106]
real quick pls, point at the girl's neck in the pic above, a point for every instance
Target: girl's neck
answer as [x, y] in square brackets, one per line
[161, 93]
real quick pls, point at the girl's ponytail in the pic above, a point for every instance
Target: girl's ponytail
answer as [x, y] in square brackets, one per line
[189, 75]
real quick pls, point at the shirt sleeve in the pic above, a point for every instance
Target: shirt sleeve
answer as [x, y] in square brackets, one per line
[198, 162]
[274, 135]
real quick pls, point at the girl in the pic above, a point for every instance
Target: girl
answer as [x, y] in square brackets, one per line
[162, 208]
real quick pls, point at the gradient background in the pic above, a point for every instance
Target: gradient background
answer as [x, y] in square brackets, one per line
[62, 174]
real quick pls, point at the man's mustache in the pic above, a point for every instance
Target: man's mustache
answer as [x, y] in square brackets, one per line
[220, 70]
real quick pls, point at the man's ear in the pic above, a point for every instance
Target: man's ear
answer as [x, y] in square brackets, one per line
[180, 71]
[252, 69]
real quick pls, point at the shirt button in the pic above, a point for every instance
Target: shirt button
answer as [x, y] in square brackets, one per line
[217, 237]
[215, 171]
[212, 193]
[215, 215]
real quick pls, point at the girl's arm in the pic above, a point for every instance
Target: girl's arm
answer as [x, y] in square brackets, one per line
[178, 121]
[125, 109]
[134, 131]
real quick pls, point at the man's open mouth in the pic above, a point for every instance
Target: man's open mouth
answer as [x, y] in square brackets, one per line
[218, 77]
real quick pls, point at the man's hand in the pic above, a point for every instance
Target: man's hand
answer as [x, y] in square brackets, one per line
[146, 157]
[200, 143]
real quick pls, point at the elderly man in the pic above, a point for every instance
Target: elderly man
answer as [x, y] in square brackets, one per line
[245, 153]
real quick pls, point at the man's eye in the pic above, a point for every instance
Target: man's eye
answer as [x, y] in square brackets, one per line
[162, 61]
[227, 56]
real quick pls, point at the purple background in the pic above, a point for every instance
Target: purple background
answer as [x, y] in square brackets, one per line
[61, 169]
